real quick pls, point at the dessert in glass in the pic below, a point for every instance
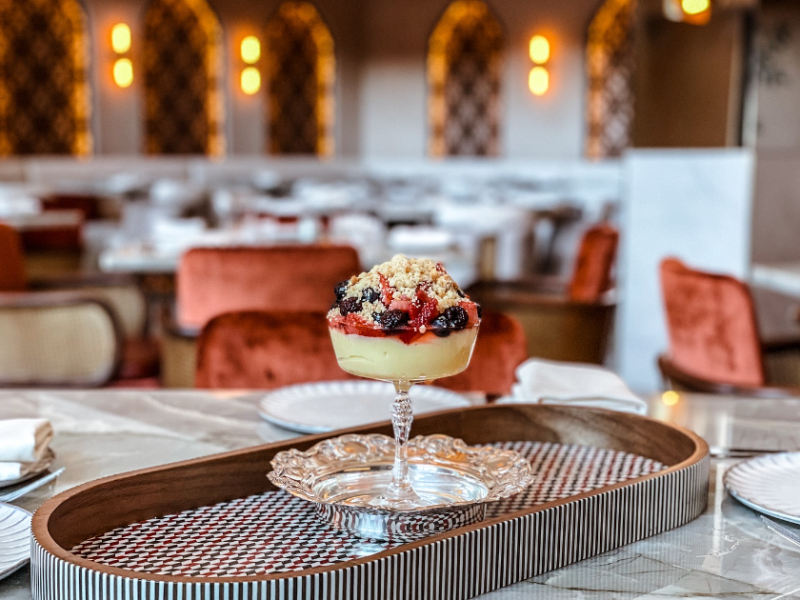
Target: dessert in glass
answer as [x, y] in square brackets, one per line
[405, 321]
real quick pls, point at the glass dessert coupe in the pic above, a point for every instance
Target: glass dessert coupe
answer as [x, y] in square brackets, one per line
[412, 344]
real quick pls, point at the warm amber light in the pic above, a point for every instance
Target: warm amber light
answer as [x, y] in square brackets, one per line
[250, 49]
[251, 80]
[695, 7]
[539, 49]
[120, 38]
[123, 72]
[538, 80]
[670, 398]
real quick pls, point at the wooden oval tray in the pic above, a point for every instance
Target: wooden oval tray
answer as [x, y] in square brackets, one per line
[214, 527]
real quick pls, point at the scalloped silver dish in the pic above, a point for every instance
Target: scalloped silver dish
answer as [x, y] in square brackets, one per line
[346, 475]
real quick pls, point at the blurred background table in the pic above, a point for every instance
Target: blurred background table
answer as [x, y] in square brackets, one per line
[726, 553]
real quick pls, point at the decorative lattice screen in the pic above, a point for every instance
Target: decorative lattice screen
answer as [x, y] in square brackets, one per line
[182, 52]
[300, 69]
[609, 66]
[44, 93]
[464, 65]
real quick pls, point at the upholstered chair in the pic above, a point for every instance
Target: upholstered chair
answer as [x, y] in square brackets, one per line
[265, 350]
[58, 339]
[563, 320]
[499, 350]
[592, 273]
[212, 281]
[714, 340]
[138, 355]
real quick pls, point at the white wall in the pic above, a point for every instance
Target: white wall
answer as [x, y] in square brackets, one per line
[381, 45]
[394, 85]
[691, 204]
[776, 209]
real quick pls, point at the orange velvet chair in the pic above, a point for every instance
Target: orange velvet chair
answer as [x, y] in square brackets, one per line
[12, 262]
[139, 355]
[499, 350]
[714, 341]
[564, 321]
[591, 276]
[265, 350]
[212, 281]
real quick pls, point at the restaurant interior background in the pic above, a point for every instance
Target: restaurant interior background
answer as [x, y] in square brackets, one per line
[488, 134]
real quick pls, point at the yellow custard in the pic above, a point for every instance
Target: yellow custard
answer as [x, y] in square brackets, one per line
[390, 359]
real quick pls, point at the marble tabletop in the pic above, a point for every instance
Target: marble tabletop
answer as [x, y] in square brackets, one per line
[725, 553]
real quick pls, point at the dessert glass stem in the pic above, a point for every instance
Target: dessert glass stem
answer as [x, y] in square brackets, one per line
[400, 493]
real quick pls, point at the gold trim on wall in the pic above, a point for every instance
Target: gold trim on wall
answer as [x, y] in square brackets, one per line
[206, 39]
[51, 116]
[609, 71]
[445, 47]
[301, 20]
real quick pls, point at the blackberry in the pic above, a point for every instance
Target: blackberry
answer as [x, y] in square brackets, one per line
[349, 305]
[391, 319]
[479, 308]
[370, 295]
[454, 318]
[340, 289]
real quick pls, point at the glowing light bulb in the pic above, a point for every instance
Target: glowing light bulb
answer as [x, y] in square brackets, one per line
[539, 49]
[123, 72]
[250, 80]
[695, 7]
[538, 81]
[120, 38]
[250, 49]
[670, 398]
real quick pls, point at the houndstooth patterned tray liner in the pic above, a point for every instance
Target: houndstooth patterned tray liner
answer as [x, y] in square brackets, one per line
[243, 538]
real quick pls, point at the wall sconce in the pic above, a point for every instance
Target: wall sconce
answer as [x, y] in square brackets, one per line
[539, 49]
[250, 51]
[695, 12]
[123, 72]
[539, 76]
[250, 80]
[538, 81]
[121, 45]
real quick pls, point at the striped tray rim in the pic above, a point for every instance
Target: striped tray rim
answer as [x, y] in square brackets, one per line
[460, 566]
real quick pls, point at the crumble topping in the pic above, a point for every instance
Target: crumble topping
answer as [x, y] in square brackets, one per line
[417, 292]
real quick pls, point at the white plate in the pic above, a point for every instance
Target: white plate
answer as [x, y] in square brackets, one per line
[768, 484]
[38, 468]
[331, 405]
[15, 538]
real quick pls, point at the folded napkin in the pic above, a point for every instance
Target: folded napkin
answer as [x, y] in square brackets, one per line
[23, 444]
[551, 382]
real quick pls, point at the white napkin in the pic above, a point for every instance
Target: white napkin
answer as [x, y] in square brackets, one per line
[573, 384]
[11, 471]
[23, 444]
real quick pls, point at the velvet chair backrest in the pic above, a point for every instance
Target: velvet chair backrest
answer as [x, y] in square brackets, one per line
[265, 350]
[711, 320]
[212, 281]
[499, 350]
[12, 262]
[594, 263]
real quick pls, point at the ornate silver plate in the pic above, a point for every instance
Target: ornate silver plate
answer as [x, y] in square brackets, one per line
[346, 475]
